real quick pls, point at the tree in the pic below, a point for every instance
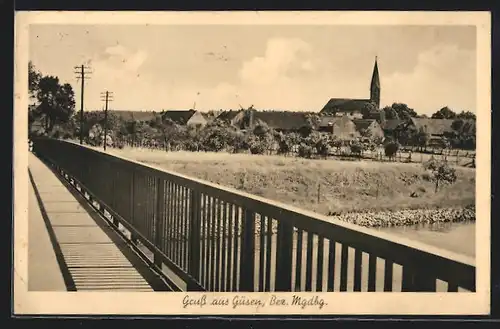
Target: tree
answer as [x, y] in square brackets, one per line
[466, 115]
[441, 171]
[444, 113]
[399, 111]
[422, 138]
[56, 102]
[391, 148]
[34, 77]
[404, 112]
[390, 113]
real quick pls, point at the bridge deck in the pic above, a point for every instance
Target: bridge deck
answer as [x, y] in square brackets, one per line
[72, 247]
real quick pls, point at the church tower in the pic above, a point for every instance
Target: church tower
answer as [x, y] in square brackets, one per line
[375, 86]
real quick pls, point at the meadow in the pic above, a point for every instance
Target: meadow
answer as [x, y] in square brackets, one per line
[323, 186]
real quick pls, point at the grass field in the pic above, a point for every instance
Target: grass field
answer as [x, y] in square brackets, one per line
[339, 186]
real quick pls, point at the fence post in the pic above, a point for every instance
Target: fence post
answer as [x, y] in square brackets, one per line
[160, 220]
[284, 257]
[132, 204]
[247, 253]
[194, 236]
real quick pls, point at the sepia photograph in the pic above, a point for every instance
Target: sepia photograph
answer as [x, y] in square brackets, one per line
[234, 163]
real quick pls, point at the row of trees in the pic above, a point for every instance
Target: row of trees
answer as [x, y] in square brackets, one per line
[53, 104]
[50, 100]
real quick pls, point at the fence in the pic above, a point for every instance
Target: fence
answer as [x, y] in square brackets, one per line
[219, 239]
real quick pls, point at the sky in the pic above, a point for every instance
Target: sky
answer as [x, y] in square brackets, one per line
[284, 67]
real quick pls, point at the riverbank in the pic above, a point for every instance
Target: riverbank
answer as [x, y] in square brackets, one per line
[323, 186]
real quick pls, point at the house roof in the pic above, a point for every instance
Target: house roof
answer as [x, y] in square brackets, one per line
[363, 123]
[345, 105]
[135, 115]
[391, 124]
[228, 115]
[328, 121]
[433, 126]
[179, 116]
[284, 120]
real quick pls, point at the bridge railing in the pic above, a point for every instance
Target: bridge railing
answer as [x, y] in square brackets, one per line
[219, 239]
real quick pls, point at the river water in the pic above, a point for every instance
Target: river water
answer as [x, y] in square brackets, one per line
[457, 237]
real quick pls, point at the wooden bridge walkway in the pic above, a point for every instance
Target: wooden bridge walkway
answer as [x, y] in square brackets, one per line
[72, 247]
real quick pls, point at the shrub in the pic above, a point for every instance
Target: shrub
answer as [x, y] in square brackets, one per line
[391, 148]
[357, 148]
[257, 148]
[305, 151]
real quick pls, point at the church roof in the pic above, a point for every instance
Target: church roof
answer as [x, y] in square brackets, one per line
[375, 76]
[344, 105]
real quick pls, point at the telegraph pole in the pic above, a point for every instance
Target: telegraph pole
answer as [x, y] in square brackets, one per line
[107, 97]
[82, 72]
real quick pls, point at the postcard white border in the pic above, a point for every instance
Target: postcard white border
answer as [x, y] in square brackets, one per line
[26, 302]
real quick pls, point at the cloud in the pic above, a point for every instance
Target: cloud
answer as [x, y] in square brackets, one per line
[118, 65]
[445, 75]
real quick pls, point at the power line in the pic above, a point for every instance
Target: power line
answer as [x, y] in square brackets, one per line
[106, 97]
[82, 72]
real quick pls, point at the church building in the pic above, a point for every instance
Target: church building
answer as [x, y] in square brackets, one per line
[354, 108]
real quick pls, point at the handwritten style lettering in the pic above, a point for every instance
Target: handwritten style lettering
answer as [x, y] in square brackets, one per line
[200, 302]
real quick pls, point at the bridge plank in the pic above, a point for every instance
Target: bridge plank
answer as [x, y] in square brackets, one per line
[94, 256]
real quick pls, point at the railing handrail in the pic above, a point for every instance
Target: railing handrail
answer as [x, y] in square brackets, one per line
[318, 221]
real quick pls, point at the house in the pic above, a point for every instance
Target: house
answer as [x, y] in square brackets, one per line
[391, 127]
[134, 115]
[369, 125]
[433, 127]
[232, 117]
[341, 127]
[185, 117]
[282, 121]
[354, 108]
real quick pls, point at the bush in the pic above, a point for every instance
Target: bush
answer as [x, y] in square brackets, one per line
[357, 148]
[391, 148]
[305, 151]
[257, 148]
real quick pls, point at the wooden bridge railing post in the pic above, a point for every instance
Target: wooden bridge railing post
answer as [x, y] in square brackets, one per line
[159, 219]
[194, 235]
[133, 238]
[247, 253]
[284, 256]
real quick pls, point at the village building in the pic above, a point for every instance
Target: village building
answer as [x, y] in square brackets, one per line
[392, 127]
[341, 127]
[185, 117]
[369, 127]
[281, 121]
[357, 108]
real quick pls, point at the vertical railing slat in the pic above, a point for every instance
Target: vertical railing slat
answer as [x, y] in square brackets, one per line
[331, 265]
[372, 272]
[309, 261]
[319, 268]
[284, 257]
[298, 261]
[194, 235]
[357, 269]
[344, 258]
[247, 264]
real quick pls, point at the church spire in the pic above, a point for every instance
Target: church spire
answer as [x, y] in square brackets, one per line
[375, 86]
